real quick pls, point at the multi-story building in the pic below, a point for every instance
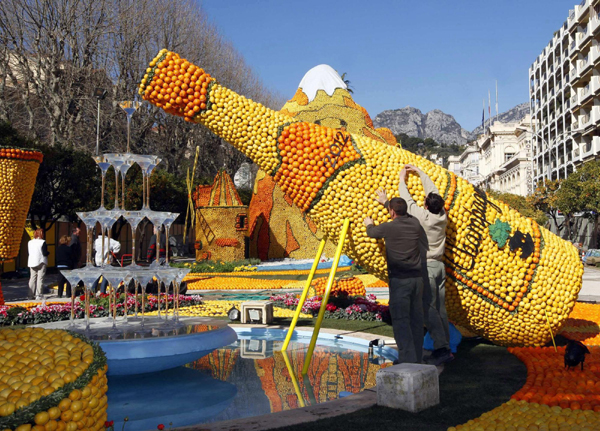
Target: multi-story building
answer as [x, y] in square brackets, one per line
[565, 95]
[469, 164]
[505, 161]
[499, 160]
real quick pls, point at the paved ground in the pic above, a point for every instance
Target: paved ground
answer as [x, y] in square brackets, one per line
[15, 290]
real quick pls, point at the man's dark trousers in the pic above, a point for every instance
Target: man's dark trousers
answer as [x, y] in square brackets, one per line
[406, 309]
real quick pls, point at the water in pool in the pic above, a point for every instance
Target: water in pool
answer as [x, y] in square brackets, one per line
[250, 377]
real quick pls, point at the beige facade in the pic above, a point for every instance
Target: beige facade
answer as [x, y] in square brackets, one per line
[499, 160]
[565, 95]
[505, 157]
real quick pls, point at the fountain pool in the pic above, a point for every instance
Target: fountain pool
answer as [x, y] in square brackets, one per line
[249, 377]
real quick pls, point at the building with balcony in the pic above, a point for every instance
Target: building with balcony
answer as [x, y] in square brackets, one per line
[565, 95]
[499, 160]
[505, 157]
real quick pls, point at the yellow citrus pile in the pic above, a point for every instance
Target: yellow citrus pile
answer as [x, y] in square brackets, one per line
[37, 366]
[18, 170]
[521, 415]
[351, 286]
[220, 308]
[500, 289]
[234, 283]
[583, 324]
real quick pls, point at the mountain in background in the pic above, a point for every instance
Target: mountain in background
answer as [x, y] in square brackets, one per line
[437, 125]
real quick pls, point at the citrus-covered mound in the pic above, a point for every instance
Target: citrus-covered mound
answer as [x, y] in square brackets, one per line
[553, 397]
[18, 170]
[505, 273]
[352, 286]
[49, 380]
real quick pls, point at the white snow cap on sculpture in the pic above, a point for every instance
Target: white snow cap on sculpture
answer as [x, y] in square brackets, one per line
[321, 77]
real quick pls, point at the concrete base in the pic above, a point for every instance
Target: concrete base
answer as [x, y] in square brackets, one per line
[410, 387]
[257, 312]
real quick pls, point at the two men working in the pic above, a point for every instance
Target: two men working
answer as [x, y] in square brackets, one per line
[415, 241]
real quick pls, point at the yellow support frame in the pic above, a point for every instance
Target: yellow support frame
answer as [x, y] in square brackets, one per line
[294, 379]
[336, 261]
[311, 275]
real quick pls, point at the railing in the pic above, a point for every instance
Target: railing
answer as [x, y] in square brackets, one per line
[585, 90]
[584, 119]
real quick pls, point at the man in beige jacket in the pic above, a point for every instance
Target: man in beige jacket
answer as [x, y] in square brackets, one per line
[433, 218]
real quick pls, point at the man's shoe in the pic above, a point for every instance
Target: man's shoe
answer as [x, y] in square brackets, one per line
[440, 356]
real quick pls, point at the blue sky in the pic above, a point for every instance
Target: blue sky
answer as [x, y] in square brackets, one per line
[428, 54]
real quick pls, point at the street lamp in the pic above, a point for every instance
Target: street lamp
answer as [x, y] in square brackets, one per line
[99, 94]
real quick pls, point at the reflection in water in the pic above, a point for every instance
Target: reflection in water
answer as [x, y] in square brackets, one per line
[333, 370]
[247, 378]
[153, 328]
[181, 396]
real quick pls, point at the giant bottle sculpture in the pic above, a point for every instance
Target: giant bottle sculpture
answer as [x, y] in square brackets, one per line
[508, 279]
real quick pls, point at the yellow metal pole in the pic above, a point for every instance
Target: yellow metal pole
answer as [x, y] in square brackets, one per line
[293, 377]
[290, 332]
[336, 261]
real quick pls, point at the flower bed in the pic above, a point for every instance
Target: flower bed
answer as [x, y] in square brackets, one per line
[51, 379]
[36, 313]
[342, 307]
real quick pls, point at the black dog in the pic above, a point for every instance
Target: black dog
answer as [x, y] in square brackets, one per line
[575, 354]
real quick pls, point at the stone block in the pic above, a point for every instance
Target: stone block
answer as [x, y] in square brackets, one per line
[257, 312]
[410, 387]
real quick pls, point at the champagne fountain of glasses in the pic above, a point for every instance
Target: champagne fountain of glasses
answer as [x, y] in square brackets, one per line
[181, 273]
[134, 218]
[144, 163]
[88, 275]
[129, 106]
[154, 161]
[117, 161]
[167, 277]
[127, 163]
[167, 224]
[90, 219]
[73, 278]
[103, 165]
[141, 275]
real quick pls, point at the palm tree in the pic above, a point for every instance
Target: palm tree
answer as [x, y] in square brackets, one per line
[347, 82]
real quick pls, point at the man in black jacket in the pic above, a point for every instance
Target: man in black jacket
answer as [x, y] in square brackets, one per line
[405, 241]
